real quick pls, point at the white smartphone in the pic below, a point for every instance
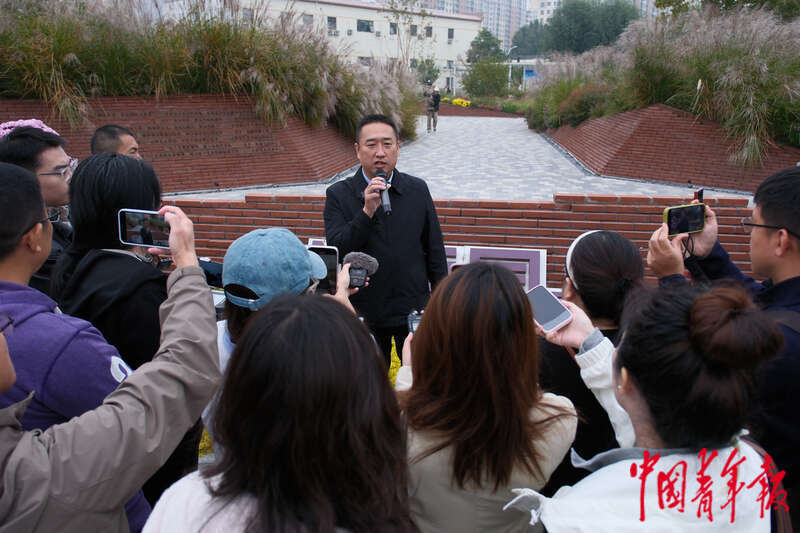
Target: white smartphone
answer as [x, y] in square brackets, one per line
[143, 228]
[548, 312]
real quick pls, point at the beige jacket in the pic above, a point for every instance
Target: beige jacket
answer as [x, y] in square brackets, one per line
[77, 476]
[439, 506]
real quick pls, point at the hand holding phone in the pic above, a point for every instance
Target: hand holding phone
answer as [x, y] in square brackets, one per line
[573, 334]
[548, 311]
[181, 237]
[685, 218]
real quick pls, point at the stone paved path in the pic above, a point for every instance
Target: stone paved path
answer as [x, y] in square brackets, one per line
[491, 158]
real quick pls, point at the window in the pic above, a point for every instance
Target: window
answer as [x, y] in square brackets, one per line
[392, 28]
[308, 20]
[365, 25]
[450, 33]
[450, 63]
[414, 62]
[331, 23]
[366, 61]
[428, 32]
[247, 15]
[413, 29]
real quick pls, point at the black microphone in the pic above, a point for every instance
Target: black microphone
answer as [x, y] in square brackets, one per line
[361, 266]
[387, 205]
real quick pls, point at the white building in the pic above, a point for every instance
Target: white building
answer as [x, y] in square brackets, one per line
[501, 17]
[372, 31]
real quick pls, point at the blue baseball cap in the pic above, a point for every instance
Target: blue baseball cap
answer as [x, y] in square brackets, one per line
[269, 262]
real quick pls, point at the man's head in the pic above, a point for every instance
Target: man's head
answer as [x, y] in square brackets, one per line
[25, 232]
[116, 139]
[775, 233]
[41, 152]
[377, 144]
[436, 90]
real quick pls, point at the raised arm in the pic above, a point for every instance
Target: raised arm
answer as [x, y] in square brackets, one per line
[347, 231]
[100, 459]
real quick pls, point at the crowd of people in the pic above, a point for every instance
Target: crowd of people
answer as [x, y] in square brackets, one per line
[658, 407]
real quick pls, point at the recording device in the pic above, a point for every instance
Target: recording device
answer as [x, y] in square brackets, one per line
[361, 266]
[698, 195]
[143, 228]
[330, 256]
[685, 218]
[414, 318]
[548, 312]
[387, 205]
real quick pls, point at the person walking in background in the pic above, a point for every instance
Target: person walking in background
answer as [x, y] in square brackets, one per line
[432, 100]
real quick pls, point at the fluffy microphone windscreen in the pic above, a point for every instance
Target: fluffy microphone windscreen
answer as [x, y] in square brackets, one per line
[361, 260]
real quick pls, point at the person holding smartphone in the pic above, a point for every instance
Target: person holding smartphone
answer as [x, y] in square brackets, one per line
[774, 245]
[77, 475]
[117, 287]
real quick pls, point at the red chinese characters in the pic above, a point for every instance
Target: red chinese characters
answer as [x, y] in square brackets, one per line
[671, 485]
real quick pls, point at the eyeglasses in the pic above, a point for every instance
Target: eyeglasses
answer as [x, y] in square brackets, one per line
[747, 223]
[6, 324]
[52, 216]
[66, 172]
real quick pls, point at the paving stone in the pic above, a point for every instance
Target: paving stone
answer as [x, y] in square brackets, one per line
[491, 158]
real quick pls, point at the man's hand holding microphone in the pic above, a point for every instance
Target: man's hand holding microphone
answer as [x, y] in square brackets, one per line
[377, 193]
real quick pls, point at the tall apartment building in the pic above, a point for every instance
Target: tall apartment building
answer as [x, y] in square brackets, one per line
[501, 17]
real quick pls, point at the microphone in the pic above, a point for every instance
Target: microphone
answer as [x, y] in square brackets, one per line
[387, 205]
[361, 266]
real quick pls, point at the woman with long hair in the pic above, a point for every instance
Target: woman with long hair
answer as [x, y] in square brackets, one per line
[478, 423]
[601, 269]
[683, 374]
[311, 434]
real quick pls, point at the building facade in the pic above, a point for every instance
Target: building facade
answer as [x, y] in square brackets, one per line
[370, 31]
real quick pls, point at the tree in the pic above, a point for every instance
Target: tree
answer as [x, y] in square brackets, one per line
[485, 46]
[427, 71]
[573, 28]
[532, 39]
[578, 26]
[486, 78]
[403, 15]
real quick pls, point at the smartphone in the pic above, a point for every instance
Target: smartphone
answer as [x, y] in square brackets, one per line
[685, 218]
[548, 312]
[330, 256]
[414, 318]
[698, 195]
[143, 228]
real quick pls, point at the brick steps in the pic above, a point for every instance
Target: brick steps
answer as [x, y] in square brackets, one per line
[665, 144]
[549, 225]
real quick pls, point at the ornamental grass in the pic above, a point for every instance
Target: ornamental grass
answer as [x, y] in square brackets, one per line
[740, 68]
[64, 53]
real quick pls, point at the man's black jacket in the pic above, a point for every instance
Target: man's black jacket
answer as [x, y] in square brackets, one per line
[408, 245]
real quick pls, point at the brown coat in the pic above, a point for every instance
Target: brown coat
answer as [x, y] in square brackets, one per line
[77, 476]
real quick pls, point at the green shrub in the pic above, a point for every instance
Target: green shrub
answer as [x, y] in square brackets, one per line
[486, 78]
[67, 52]
[740, 68]
[582, 103]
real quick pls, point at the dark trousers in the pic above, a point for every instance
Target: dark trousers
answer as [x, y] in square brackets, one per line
[383, 336]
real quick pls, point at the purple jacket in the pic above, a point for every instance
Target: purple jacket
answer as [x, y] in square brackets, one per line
[66, 361]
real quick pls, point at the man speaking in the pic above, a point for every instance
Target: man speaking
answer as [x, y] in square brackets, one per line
[401, 230]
